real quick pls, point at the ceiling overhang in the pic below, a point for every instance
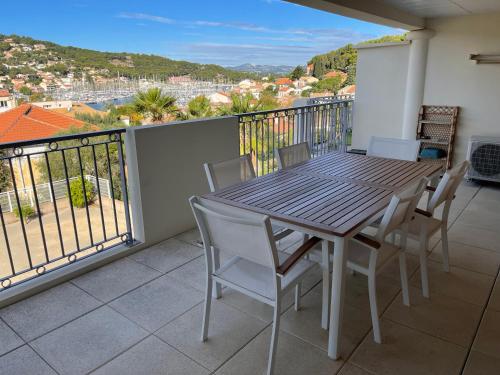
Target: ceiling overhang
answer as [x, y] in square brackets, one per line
[367, 10]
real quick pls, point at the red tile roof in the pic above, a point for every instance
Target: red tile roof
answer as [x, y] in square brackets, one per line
[4, 93]
[284, 81]
[335, 73]
[28, 122]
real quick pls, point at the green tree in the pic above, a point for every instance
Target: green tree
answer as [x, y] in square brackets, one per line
[25, 90]
[240, 103]
[154, 104]
[5, 179]
[198, 107]
[332, 84]
[298, 72]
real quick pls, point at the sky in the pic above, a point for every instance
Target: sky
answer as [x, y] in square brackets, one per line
[224, 32]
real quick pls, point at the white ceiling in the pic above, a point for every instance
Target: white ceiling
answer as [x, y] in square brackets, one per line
[444, 8]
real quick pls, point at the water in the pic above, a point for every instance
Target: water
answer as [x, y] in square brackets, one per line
[101, 106]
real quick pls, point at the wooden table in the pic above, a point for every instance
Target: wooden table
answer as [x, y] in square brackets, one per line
[332, 197]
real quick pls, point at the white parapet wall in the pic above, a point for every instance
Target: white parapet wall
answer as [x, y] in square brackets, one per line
[165, 168]
[380, 87]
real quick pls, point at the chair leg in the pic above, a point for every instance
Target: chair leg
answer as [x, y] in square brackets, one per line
[372, 293]
[206, 310]
[327, 284]
[423, 263]
[298, 291]
[444, 244]
[217, 288]
[274, 337]
[404, 278]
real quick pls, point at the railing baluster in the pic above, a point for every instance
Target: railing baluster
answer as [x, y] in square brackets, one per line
[56, 211]
[110, 175]
[20, 211]
[84, 190]
[40, 220]
[103, 224]
[7, 243]
[123, 178]
[66, 175]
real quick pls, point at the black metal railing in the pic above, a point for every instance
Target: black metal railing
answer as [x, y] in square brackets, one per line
[326, 125]
[62, 199]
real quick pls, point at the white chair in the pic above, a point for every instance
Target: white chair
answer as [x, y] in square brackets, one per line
[425, 224]
[393, 148]
[291, 155]
[368, 255]
[231, 172]
[255, 268]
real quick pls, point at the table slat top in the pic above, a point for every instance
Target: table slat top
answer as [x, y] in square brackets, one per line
[334, 193]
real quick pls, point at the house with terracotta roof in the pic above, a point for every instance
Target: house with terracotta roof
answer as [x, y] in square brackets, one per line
[283, 82]
[336, 73]
[7, 101]
[28, 122]
[348, 90]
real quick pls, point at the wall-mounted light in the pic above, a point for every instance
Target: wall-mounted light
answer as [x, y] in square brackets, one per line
[485, 58]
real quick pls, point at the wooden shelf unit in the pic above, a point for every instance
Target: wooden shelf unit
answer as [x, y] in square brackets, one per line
[437, 128]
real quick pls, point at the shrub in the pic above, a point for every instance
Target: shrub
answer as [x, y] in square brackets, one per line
[26, 210]
[77, 198]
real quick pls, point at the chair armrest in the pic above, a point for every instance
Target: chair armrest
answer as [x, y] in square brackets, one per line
[363, 238]
[282, 269]
[422, 212]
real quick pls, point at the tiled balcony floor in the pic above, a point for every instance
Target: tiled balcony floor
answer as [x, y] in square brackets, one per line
[142, 315]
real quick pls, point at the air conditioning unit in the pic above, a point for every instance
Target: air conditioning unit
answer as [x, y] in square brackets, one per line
[484, 156]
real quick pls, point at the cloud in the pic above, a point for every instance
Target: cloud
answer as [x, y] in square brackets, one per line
[146, 17]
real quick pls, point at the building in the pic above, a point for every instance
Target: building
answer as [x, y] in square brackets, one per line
[218, 98]
[28, 122]
[7, 101]
[348, 90]
[335, 74]
[59, 104]
[284, 82]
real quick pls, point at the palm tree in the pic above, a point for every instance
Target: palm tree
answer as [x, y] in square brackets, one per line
[154, 104]
[241, 103]
[198, 107]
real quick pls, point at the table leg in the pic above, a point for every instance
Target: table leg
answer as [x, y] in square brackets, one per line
[337, 300]
[326, 247]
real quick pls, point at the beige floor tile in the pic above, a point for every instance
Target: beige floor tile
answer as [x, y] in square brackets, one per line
[462, 284]
[494, 303]
[22, 361]
[151, 357]
[229, 330]
[473, 236]
[469, 257]
[481, 364]
[167, 255]
[191, 236]
[357, 291]
[488, 337]
[306, 324]
[294, 357]
[350, 369]
[441, 316]
[391, 270]
[481, 219]
[488, 193]
[408, 351]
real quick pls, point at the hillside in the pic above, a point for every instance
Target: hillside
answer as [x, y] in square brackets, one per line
[54, 58]
[263, 69]
[344, 59]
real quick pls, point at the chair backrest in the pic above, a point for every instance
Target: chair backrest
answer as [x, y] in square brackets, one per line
[229, 172]
[448, 185]
[294, 154]
[393, 148]
[401, 208]
[236, 231]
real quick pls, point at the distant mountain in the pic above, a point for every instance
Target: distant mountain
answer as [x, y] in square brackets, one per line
[24, 54]
[263, 69]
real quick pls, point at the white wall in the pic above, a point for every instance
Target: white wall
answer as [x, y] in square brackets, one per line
[380, 86]
[453, 79]
[165, 168]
